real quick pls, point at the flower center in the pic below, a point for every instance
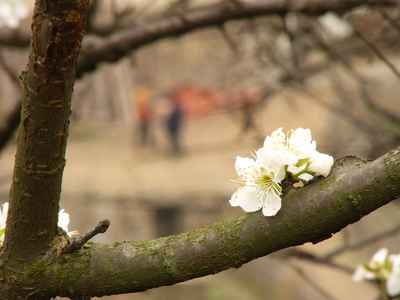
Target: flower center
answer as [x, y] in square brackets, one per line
[267, 183]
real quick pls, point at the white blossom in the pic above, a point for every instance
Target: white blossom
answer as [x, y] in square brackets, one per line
[393, 282]
[63, 222]
[260, 180]
[3, 220]
[298, 142]
[383, 268]
[11, 12]
[374, 268]
[320, 164]
[335, 27]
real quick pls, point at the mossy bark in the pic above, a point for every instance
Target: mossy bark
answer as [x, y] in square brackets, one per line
[57, 31]
[310, 214]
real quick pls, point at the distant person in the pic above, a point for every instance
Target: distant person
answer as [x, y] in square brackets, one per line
[144, 114]
[174, 123]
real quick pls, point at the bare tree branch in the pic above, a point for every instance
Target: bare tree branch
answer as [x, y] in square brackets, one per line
[48, 83]
[364, 243]
[122, 43]
[96, 50]
[311, 214]
[303, 275]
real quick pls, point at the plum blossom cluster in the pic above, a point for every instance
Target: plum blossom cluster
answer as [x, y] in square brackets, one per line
[293, 155]
[63, 221]
[383, 268]
[11, 12]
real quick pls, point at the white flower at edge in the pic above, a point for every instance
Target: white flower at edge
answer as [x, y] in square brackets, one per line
[335, 27]
[260, 180]
[320, 164]
[393, 282]
[384, 268]
[11, 12]
[3, 219]
[298, 142]
[63, 222]
[374, 268]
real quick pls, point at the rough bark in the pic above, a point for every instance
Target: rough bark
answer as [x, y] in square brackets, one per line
[57, 31]
[311, 214]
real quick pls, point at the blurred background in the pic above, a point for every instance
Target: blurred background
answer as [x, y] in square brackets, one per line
[154, 136]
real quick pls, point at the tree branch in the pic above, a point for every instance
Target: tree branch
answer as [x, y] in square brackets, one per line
[96, 50]
[48, 82]
[79, 242]
[310, 214]
[124, 42]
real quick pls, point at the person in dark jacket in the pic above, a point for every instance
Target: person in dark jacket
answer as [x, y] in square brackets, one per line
[174, 124]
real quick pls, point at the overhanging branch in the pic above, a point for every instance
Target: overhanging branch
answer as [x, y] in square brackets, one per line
[121, 44]
[97, 50]
[311, 214]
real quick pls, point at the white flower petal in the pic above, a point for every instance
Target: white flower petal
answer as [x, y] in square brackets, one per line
[361, 274]
[244, 167]
[248, 199]
[321, 164]
[393, 282]
[300, 142]
[379, 258]
[276, 141]
[63, 222]
[272, 204]
[393, 285]
[3, 220]
[275, 161]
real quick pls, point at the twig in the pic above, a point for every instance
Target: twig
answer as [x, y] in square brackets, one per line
[231, 43]
[312, 283]
[79, 242]
[388, 18]
[316, 259]
[365, 242]
[378, 53]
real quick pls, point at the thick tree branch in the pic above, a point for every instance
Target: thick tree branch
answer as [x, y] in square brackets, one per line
[311, 214]
[48, 82]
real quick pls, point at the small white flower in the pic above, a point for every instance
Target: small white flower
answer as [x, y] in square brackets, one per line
[260, 183]
[3, 220]
[383, 268]
[293, 153]
[374, 269]
[393, 282]
[11, 12]
[320, 164]
[63, 222]
[337, 28]
[298, 142]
